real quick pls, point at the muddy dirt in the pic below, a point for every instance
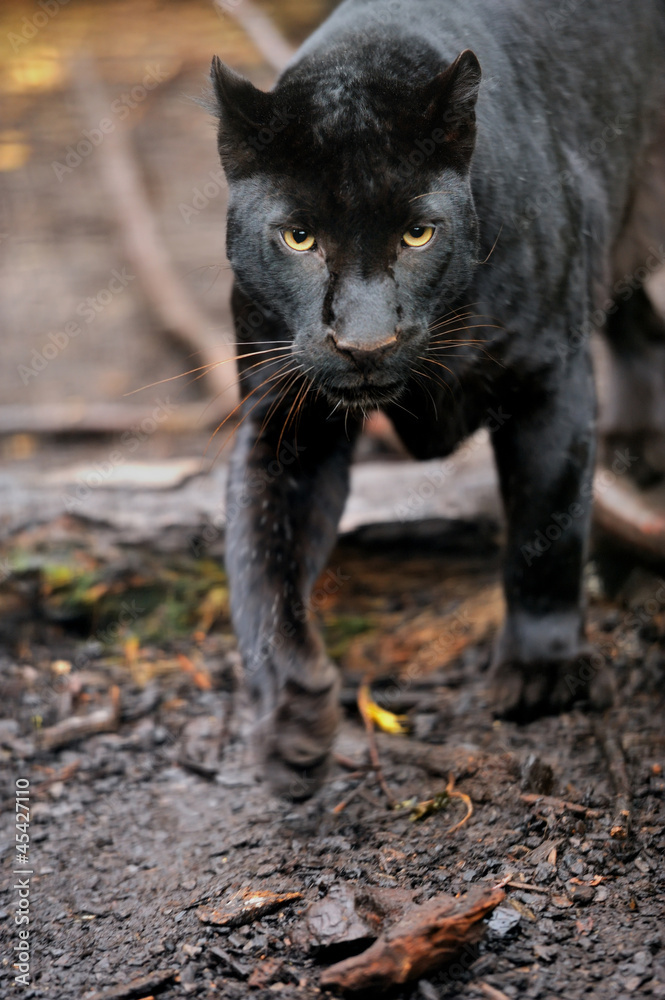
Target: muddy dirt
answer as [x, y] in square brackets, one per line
[138, 834]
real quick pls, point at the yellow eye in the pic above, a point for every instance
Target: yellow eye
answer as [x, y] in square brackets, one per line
[418, 236]
[298, 239]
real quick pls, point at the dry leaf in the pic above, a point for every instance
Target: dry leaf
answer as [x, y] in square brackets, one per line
[387, 721]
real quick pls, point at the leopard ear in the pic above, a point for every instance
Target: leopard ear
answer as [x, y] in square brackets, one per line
[451, 100]
[243, 110]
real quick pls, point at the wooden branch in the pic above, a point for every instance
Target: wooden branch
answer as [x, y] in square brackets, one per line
[258, 26]
[626, 514]
[79, 727]
[100, 418]
[532, 798]
[145, 249]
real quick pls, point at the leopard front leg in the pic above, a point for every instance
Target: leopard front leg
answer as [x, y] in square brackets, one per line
[545, 455]
[285, 497]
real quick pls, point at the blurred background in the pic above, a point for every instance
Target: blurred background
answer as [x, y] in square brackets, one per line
[112, 212]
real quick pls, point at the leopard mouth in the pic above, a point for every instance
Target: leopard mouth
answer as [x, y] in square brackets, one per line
[363, 397]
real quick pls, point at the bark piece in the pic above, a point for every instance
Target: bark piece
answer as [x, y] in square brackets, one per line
[351, 913]
[246, 906]
[426, 938]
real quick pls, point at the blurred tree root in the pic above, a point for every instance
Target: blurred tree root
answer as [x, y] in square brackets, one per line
[145, 250]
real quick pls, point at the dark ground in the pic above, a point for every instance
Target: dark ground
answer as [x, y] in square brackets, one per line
[131, 829]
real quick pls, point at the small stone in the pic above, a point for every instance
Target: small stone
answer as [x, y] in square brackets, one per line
[642, 960]
[544, 872]
[537, 776]
[574, 864]
[561, 902]
[583, 894]
[504, 920]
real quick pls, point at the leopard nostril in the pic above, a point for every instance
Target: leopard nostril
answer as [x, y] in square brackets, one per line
[365, 353]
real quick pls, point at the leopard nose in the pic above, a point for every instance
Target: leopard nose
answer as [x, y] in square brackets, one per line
[369, 352]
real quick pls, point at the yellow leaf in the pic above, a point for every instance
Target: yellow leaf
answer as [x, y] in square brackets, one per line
[387, 721]
[132, 644]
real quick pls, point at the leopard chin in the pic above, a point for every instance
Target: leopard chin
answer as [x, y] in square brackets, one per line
[362, 398]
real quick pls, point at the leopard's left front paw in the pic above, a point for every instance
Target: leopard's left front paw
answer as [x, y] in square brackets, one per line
[526, 691]
[540, 668]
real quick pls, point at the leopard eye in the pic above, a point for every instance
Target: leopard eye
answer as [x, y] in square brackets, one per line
[298, 239]
[418, 236]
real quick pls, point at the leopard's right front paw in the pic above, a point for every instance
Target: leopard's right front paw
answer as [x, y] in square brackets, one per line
[296, 738]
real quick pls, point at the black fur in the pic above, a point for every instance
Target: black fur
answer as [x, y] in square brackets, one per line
[541, 184]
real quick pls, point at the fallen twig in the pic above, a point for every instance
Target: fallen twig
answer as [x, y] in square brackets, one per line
[346, 762]
[532, 798]
[616, 765]
[198, 767]
[64, 774]
[528, 887]
[363, 696]
[439, 760]
[79, 727]
[341, 806]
